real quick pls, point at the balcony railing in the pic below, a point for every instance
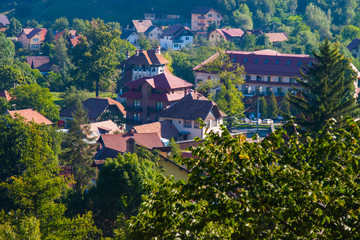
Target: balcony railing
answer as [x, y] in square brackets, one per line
[135, 109]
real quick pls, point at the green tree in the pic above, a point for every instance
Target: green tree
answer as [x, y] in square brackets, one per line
[80, 25]
[9, 77]
[72, 95]
[328, 89]
[350, 32]
[14, 28]
[318, 19]
[33, 24]
[61, 24]
[272, 107]
[60, 57]
[122, 183]
[249, 190]
[285, 106]
[144, 43]
[36, 97]
[78, 150]
[263, 108]
[7, 50]
[96, 57]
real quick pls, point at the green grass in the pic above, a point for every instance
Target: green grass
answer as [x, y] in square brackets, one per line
[59, 100]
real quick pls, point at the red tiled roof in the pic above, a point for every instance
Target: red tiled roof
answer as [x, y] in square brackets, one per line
[162, 81]
[277, 37]
[30, 115]
[75, 40]
[141, 25]
[149, 57]
[42, 63]
[31, 32]
[165, 129]
[227, 33]
[265, 62]
[117, 142]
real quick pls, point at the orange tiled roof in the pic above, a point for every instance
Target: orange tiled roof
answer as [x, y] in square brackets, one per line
[30, 115]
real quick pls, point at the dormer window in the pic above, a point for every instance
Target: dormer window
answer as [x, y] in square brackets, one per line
[256, 60]
[288, 62]
[277, 62]
[245, 60]
[266, 61]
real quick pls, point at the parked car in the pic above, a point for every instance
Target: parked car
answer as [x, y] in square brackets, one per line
[268, 121]
[255, 120]
[245, 120]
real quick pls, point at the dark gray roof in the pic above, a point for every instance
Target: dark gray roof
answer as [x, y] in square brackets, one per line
[126, 33]
[94, 106]
[34, 32]
[4, 20]
[353, 44]
[192, 107]
[203, 10]
[150, 29]
[175, 30]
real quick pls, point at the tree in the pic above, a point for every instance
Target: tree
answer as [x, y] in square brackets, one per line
[36, 97]
[14, 28]
[122, 183]
[272, 107]
[350, 32]
[285, 106]
[7, 50]
[241, 190]
[60, 56]
[144, 43]
[96, 56]
[263, 107]
[33, 24]
[78, 149]
[318, 19]
[72, 95]
[328, 89]
[61, 24]
[9, 77]
[80, 25]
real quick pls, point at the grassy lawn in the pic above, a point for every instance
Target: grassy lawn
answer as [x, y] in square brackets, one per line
[59, 100]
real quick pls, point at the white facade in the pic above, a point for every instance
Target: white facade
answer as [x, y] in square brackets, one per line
[154, 34]
[133, 39]
[183, 42]
[192, 128]
[149, 71]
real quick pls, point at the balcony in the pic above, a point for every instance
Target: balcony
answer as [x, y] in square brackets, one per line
[134, 109]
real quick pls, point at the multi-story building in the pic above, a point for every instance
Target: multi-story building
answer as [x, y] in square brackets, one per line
[148, 96]
[142, 64]
[32, 38]
[267, 71]
[185, 113]
[204, 17]
[177, 37]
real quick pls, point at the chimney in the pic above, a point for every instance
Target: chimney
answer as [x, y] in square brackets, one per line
[127, 55]
[158, 50]
[130, 145]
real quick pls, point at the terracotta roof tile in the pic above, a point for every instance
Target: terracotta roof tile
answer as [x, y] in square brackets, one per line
[30, 115]
[5, 94]
[277, 37]
[149, 57]
[141, 25]
[97, 127]
[165, 129]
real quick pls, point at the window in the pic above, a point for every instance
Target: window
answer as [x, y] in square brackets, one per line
[280, 79]
[234, 59]
[187, 124]
[196, 124]
[258, 78]
[279, 91]
[256, 60]
[245, 60]
[269, 79]
[299, 63]
[35, 46]
[136, 116]
[176, 45]
[248, 77]
[35, 40]
[209, 15]
[136, 103]
[159, 106]
[266, 61]
[277, 62]
[288, 62]
[186, 38]
[292, 80]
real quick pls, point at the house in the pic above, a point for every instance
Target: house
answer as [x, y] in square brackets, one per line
[29, 115]
[112, 145]
[176, 37]
[98, 109]
[4, 23]
[104, 127]
[148, 96]
[74, 40]
[204, 17]
[131, 36]
[64, 33]
[41, 63]
[32, 38]
[142, 64]
[165, 129]
[162, 18]
[354, 48]
[267, 71]
[226, 34]
[185, 113]
[153, 33]
[140, 26]
[273, 37]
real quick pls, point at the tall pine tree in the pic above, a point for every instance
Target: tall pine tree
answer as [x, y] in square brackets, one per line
[263, 107]
[78, 150]
[328, 89]
[272, 107]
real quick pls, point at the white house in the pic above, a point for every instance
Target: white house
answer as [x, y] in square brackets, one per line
[131, 36]
[176, 37]
[185, 113]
